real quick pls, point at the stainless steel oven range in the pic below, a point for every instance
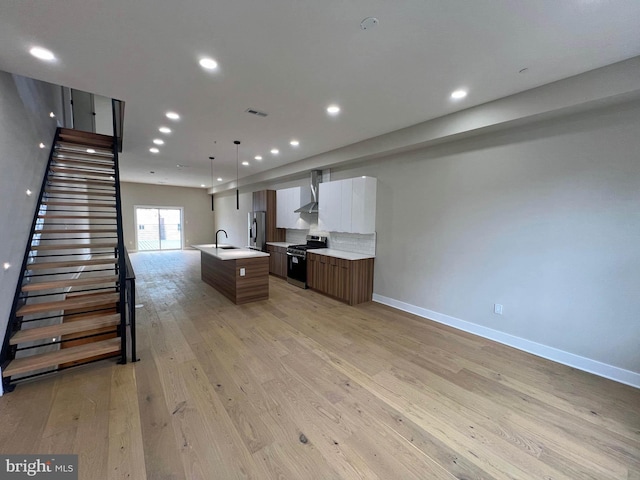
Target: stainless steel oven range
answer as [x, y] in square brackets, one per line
[297, 259]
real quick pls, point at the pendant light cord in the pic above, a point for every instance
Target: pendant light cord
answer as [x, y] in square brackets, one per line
[237, 143]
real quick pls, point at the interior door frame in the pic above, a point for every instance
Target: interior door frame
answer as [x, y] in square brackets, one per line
[158, 207]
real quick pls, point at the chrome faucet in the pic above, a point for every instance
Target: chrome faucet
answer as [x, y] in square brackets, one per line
[225, 234]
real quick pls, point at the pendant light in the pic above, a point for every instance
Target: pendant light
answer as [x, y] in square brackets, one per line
[237, 143]
[212, 159]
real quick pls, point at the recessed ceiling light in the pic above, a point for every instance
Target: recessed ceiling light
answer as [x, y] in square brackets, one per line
[219, 179]
[202, 184]
[42, 145]
[208, 63]
[179, 165]
[28, 192]
[258, 157]
[294, 143]
[158, 141]
[245, 163]
[275, 151]
[154, 150]
[42, 53]
[173, 116]
[165, 129]
[52, 115]
[458, 94]
[333, 109]
[6, 265]
[90, 150]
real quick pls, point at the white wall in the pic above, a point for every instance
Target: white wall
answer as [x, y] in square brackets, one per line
[234, 222]
[544, 219]
[198, 217]
[24, 123]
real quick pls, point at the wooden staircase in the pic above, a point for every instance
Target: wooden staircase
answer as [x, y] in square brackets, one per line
[72, 290]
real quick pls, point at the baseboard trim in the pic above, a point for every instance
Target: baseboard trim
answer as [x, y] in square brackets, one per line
[576, 361]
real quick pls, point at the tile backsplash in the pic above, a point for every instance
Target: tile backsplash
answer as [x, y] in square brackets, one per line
[348, 242]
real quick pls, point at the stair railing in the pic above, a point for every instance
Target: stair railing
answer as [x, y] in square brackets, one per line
[8, 352]
[122, 266]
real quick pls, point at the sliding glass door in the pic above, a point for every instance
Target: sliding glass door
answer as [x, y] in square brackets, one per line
[158, 228]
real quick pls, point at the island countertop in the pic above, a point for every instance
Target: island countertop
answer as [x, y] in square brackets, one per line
[235, 253]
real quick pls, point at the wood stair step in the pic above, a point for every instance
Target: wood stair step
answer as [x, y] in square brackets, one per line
[66, 328]
[51, 359]
[75, 149]
[78, 161]
[78, 204]
[65, 148]
[55, 179]
[73, 282]
[71, 263]
[81, 301]
[69, 170]
[75, 246]
[72, 192]
[91, 217]
[85, 134]
[76, 138]
[84, 230]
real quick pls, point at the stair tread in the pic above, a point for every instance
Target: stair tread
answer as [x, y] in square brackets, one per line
[35, 362]
[85, 138]
[94, 217]
[81, 301]
[87, 193]
[96, 173]
[74, 148]
[74, 282]
[55, 179]
[74, 246]
[84, 230]
[73, 263]
[78, 204]
[80, 161]
[65, 328]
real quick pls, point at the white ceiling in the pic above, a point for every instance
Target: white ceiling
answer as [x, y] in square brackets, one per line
[292, 59]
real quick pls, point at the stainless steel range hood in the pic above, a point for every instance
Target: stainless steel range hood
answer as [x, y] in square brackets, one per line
[312, 206]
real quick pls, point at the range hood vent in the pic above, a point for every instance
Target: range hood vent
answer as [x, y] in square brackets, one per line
[312, 207]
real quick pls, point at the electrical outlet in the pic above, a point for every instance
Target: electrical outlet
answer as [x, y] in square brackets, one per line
[497, 309]
[242, 272]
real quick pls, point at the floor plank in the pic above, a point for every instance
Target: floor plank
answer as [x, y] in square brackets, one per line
[304, 387]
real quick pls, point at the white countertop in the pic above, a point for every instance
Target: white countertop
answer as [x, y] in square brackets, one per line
[280, 244]
[330, 252]
[229, 254]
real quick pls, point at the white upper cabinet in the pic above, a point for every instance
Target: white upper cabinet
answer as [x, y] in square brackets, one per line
[288, 200]
[348, 205]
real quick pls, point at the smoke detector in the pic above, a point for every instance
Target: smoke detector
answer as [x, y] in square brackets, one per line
[368, 23]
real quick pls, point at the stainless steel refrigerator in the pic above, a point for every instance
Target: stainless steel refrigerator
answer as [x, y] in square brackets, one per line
[257, 231]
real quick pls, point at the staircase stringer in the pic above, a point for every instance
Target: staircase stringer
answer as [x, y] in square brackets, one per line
[7, 353]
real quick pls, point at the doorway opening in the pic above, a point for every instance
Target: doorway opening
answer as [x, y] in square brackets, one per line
[158, 228]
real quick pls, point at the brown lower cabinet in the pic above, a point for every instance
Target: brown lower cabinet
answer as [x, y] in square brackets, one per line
[277, 261]
[348, 280]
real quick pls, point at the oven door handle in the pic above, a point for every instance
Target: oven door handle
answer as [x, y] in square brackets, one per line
[295, 255]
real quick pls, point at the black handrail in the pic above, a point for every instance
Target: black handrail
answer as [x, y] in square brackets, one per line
[7, 354]
[131, 304]
[122, 269]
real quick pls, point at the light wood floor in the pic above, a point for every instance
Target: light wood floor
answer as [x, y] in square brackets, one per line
[303, 387]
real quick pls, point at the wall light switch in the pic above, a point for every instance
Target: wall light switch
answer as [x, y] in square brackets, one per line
[242, 272]
[497, 308]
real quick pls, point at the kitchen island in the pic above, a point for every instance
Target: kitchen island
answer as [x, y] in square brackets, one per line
[240, 274]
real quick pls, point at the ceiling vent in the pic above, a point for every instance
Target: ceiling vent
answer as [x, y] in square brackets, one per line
[253, 111]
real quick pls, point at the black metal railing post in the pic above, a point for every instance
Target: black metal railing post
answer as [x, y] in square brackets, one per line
[122, 270]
